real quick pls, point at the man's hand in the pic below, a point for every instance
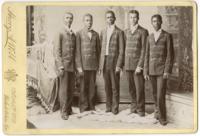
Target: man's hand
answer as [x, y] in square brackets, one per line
[99, 72]
[146, 77]
[117, 70]
[61, 72]
[166, 75]
[138, 70]
[80, 71]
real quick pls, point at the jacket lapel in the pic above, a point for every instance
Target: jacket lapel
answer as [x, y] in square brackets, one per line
[113, 33]
[92, 36]
[160, 36]
[136, 30]
[105, 34]
[85, 31]
[153, 39]
[86, 34]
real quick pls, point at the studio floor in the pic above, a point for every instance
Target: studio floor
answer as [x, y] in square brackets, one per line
[99, 119]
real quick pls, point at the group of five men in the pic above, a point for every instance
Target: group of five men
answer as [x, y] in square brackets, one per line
[142, 56]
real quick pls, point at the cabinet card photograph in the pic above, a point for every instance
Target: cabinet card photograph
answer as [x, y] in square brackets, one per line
[100, 67]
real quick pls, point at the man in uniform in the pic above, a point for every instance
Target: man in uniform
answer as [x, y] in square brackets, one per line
[65, 45]
[135, 39]
[158, 65]
[111, 61]
[87, 61]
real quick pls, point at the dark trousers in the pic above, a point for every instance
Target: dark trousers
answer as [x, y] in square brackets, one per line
[112, 81]
[159, 91]
[136, 90]
[87, 91]
[66, 92]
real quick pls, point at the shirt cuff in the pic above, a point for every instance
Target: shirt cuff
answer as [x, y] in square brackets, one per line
[61, 67]
[140, 68]
[79, 69]
[119, 68]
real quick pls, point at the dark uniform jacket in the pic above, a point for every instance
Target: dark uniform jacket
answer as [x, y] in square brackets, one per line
[159, 55]
[116, 48]
[135, 48]
[65, 45]
[87, 50]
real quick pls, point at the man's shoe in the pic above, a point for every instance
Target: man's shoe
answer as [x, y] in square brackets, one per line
[70, 112]
[141, 114]
[108, 110]
[115, 112]
[92, 109]
[133, 111]
[65, 117]
[156, 115]
[163, 122]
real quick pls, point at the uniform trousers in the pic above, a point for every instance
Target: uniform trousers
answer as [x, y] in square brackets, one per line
[136, 90]
[112, 85]
[158, 84]
[66, 83]
[87, 90]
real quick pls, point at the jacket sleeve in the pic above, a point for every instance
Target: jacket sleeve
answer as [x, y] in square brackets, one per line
[170, 55]
[146, 58]
[100, 38]
[125, 39]
[143, 44]
[58, 51]
[74, 52]
[98, 48]
[78, 59]
[120, 60]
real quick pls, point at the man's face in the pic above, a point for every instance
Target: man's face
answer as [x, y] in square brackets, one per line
[88, 22]
[110, 19]
[68, 19]
[156, 23]
[133, 19]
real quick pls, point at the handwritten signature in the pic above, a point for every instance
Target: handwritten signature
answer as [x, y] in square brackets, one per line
[10, 42]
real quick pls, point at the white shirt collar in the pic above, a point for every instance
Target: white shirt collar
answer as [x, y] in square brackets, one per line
[133, 28]
[110, 30]
[68, 29]
[111, 26]
[158, 32]
[89, 30]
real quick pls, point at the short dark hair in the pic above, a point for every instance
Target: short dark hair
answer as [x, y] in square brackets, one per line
[111, 12]
[69, 13]
[134, 12]
[88, 15]
[158, 16]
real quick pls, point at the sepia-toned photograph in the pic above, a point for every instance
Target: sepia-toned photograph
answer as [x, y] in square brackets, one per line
[109, 67]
